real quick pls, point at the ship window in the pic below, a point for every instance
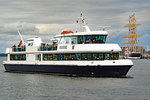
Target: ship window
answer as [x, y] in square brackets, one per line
[60, 57]
[64, 40]
[95, 56]
[89, 56]
[78, 56]
[47, 57]
[98, 38]
[66, 56]
[74, 40]
[107, 56]
[54, 56]
[80, 39]
[38, 57]
[75, 56]
[83, 57]
[101, 56]
[50, 57]
[92, 39]
[87, 39]
[115, 56]
[18, 57]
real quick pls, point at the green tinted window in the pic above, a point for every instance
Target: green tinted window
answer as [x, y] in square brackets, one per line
[38, 57]
[87, 38]
[115, 56]
[83, 56]
[54, 56]
[45, 56]
[18, 57]
[107, 56]
[74, 40]
[95, 56]
[101, 56]
[80, 39]
[78, 56]
[89, 56]
[73, 57]
[99, 38]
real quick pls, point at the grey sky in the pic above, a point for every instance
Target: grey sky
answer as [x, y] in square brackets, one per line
[45, 18]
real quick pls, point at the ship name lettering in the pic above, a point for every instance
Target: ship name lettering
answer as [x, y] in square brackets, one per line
[63, 47]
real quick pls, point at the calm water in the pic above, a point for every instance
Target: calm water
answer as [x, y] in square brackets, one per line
[17, 86]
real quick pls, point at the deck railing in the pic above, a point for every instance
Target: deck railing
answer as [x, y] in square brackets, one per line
[18, 49]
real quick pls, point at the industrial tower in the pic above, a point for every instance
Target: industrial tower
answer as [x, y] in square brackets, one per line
[132, 36]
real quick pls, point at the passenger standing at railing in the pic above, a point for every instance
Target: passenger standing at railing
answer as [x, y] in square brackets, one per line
[14, 47]
[93, 41]
[90, 41]
[23, 48]
[47, 46]
[81, 41]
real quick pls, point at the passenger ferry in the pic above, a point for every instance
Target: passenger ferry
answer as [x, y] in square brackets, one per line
[71, 53]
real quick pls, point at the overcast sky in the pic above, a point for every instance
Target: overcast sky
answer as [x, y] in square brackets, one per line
[46, 18]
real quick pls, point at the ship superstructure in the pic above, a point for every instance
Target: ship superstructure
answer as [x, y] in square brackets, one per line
[71, 53]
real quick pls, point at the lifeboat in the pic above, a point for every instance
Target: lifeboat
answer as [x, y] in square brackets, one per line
[66, 32]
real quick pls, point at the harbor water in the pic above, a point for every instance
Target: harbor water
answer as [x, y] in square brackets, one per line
[28, 86]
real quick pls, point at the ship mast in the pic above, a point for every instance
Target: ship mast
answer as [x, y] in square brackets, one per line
[83, 23]
[20, 37]
[132, 36]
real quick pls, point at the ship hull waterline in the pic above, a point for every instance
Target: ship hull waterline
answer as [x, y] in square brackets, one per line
[71, 70]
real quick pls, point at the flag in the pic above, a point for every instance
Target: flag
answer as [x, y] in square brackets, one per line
[82, 20]
[20, 44]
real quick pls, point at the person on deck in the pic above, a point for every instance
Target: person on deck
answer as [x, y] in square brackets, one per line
[90, 41]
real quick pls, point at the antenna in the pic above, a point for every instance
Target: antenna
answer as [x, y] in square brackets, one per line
[103, 27]
[83, 23]
[81, 20]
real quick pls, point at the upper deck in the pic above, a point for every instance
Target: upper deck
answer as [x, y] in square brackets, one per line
[91, 41]
[86, 45]
[68, 41]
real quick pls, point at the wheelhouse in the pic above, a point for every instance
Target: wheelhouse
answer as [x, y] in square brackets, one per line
[83, 39]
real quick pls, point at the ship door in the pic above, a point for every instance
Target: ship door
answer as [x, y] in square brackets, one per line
[38, 57]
